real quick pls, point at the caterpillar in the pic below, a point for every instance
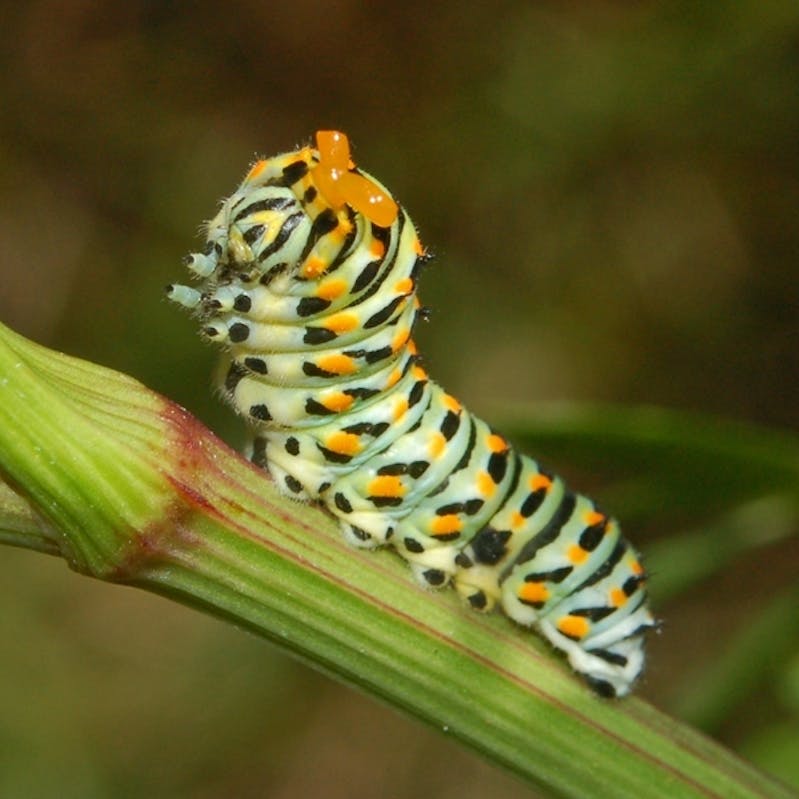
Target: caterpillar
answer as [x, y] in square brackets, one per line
[309, 283]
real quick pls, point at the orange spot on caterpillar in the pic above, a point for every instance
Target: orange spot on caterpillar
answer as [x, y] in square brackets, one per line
[393, 378]
[386, 485]
[412, 348]
[376, 248]
[617, 597]
[331, 288]
[636, 568]
[404, 286]
[313, 267]
[337, 364]
[417, 247]
[419, 373]
[451, 404]
[339, 185]
[337, 402]
[575, 627]
[533, 593]
[496, 443]
[339, 233]
[485, 484]
[540, 481]
[436, 445]
[400, 339]
[516, 519]
[256, 170]
[400, 408]
[446, 525]
[342, 322]
[594, 517]
[576, 554]
[343, 443]
[345, 226]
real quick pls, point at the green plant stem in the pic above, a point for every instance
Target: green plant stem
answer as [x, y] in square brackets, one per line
[134, 490]
[21, 526]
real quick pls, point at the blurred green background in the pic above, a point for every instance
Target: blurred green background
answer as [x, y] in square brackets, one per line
[611, 190]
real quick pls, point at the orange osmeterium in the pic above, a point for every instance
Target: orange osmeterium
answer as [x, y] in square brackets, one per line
[339, 185]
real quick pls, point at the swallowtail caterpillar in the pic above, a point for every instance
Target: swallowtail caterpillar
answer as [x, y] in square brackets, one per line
[308, 282]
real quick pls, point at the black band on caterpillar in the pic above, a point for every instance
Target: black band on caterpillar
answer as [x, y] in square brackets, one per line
[309, 281]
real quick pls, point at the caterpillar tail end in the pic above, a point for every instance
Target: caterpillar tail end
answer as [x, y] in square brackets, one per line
[612, 667]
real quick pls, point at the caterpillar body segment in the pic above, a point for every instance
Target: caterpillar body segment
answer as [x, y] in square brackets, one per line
[309, 282]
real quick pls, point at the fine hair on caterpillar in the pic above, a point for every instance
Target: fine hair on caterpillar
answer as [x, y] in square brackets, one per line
[308, 281]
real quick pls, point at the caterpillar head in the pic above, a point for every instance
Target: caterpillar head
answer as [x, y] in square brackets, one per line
[298, 208]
